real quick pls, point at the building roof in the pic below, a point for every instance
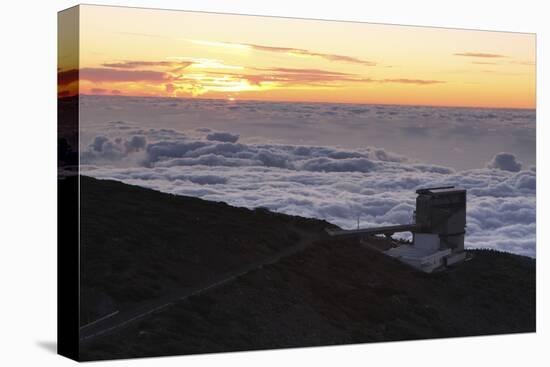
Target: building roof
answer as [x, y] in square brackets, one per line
[444, 190]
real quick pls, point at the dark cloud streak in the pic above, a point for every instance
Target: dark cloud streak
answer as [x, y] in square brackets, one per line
[479, 54]
[292, 76]
[99, 75]
[411, 81]
[139, 64]
[301, 51]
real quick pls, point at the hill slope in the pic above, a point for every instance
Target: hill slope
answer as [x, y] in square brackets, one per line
[139, 245]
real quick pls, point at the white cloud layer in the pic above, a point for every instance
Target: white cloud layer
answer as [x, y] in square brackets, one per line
[336, 184]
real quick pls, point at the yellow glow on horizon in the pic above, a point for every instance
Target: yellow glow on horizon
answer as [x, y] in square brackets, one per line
[204, 55]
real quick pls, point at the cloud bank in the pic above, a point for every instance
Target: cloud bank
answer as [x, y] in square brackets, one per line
[451, 137]
[333, 183]
[223, 137]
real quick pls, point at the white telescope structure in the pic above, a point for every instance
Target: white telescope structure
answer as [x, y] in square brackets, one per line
[438, 230]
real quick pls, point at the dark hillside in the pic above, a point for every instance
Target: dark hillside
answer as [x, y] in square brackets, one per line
[338, 293]
[141, 244]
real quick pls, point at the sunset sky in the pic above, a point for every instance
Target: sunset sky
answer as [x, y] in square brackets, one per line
[139, 52]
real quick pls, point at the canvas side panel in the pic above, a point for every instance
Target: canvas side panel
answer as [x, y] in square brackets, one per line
[68, 183]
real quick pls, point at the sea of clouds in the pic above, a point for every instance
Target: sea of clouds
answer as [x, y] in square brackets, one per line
[340, 184]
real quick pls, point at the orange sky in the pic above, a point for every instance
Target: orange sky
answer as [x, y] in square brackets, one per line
[141, 52]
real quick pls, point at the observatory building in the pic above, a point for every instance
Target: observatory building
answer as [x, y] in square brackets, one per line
[438, 230]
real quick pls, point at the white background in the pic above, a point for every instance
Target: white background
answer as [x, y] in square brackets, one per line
[28, 182]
